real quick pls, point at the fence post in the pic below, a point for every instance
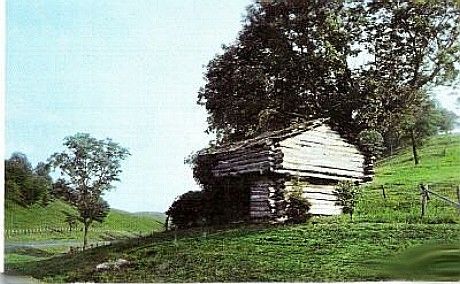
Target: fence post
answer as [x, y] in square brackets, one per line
[423, 198]
[458, 194]
[383, 192]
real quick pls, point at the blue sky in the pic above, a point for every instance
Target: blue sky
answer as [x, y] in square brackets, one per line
[129, 70]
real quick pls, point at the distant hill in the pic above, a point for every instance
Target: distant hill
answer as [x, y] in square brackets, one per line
[37, 217]
[160, 216]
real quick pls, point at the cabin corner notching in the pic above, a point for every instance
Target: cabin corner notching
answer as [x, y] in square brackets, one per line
[309, 157]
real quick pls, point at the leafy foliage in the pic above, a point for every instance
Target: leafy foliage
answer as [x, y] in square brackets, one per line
[88, 168]
[346, 193]
[25, 185]
[291, 60]
[288, 63]
[187, 210]
[371, 142]
[297, 208]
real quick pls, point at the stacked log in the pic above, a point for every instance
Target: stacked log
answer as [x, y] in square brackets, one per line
[321, 153]
[312, 152]
[259, 206]
[260, 159]
[267, 199]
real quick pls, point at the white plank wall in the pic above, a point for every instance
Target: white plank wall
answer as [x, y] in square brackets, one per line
[321, 197]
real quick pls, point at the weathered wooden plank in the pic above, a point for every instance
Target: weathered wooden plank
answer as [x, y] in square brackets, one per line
[257, 167]
[320, 151]
[321, 170]
[254, 154]
[318, 156]
[236, 173]
[295, 172]
[260, 215]
[315, 154]
[243, 164]
[323, 166]
[248, 166]
[319, 196]
[314, 142]
[324, 135]
[323, 188]
[259, 209]
[317, 202]
[258, 198]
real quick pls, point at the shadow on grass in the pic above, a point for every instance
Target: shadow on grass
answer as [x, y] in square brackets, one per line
[434, 262]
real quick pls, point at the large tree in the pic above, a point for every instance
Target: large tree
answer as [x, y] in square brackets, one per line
[288, 63]
[88, 168]
[294, 59]
[410, 47]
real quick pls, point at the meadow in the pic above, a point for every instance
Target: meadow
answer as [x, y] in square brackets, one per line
[386, 240]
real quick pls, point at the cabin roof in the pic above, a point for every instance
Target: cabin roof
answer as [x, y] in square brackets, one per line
[266, 138]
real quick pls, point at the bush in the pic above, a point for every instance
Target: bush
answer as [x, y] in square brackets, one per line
[297, 208]
[346, 193]
[187, 210]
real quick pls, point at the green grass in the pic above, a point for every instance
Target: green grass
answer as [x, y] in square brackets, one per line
[310, 252]
[118, 223]
[439, 163]
[439, 168]
[387, 239]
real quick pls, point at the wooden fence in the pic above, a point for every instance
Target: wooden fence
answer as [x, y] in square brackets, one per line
[426, 193]
[41, 230]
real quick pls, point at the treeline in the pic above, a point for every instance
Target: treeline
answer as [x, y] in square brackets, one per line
[27, 185]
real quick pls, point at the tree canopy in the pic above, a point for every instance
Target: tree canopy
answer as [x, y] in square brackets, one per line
[88, 168]
[295, 60]
[25, 185]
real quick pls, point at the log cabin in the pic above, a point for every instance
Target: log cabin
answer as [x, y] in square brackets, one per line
[309, 157]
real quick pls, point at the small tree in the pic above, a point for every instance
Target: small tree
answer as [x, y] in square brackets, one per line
[346, 193]
[297, 206]
[371, 142]
[71, 220]
[88, 168]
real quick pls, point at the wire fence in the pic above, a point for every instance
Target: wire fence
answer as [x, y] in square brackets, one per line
[407, 203]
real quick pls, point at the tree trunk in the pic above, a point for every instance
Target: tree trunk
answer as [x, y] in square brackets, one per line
[414, 147]
[85, 235]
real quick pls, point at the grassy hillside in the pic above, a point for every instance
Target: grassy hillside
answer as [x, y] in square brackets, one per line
[117, 223]
[310, 252]
[439, 169]
[387, 239]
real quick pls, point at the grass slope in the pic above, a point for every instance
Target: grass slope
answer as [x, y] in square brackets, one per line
[387, 240]
[439, 168]
[117, 223]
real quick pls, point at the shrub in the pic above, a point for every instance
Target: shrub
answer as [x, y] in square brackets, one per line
[187, 210]
[346, 193]
[297, 207]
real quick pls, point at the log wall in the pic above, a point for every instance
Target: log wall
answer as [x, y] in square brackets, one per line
[321, 197]
[321, 153]
[267, 200]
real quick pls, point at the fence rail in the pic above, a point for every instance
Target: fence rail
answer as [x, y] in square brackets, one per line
[11, 232]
